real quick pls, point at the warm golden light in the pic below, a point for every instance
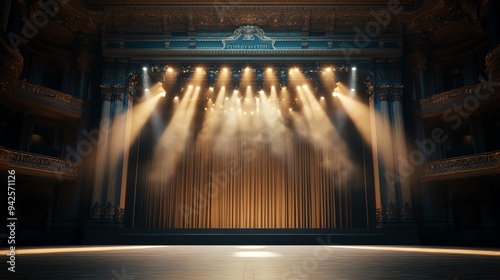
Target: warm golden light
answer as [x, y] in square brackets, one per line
[170, 70]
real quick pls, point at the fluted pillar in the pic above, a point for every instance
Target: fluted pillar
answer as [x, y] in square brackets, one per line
[84, 47]
[379, 204]
[101, 155]
[419, 51]
[385, 131]
[404, 192]
[116, 138]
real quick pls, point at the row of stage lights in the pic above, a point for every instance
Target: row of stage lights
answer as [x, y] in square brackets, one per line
[247, 69]
[328, 69]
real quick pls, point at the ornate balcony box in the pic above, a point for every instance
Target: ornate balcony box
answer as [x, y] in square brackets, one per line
[38, 165]
[466, 166]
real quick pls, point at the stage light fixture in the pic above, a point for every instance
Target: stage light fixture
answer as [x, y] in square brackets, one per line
[146, 89]
[352, 89]
[224, 69]
[247, 69]
[269, 69]
[170, 70]
[211, 88]
[199, 69]
[190, 86]
[354, 68]
[145, 68]
[335, 94]
[163, 94]
[322, 98]
[328, 69]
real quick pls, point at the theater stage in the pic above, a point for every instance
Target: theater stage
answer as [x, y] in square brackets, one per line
[255, 262]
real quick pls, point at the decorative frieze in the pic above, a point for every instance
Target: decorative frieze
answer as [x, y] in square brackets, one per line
[391, 212]
[406, 212]
[458, 165]
[455, 95]
[369, 86]
[50, 94]
[11, 65]
[107, 212]
[113, 92]
[38, 162]
[390, 92]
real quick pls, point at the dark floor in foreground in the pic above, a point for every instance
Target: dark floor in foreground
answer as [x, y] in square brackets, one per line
[255, 262]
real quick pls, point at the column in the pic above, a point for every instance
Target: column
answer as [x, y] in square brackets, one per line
[101, 155]
[386, 158]
[404, 192]
[419, 51]
[379, 204]
[84, 48]
[115, 152]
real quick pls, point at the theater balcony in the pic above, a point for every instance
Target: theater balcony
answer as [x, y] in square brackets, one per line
[38, 166]
[469, 98]
[45, 101]
[463, 167]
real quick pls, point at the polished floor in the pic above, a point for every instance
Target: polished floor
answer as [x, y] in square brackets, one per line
[254, 262]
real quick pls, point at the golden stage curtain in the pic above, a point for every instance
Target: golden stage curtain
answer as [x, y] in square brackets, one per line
[254, 179]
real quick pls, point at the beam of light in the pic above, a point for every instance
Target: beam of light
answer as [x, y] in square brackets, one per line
[366, 121]
[62, 250]
[456, 251]
[130, 122]
[212, 121]
[174, 138]
[315, 126]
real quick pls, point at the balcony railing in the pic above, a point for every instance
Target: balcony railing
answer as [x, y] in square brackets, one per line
[450, 96]
[472, 163]
[38, 162]
[50, 94]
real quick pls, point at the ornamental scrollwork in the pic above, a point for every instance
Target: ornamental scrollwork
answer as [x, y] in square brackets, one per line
[461, 164]
[406, 211]
[391, 212]
[39, 162]
[107, 212]
[50, 94]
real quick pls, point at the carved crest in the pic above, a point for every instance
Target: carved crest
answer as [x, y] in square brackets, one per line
[248, 37]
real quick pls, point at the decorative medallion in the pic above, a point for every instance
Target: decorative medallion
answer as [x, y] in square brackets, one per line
[248, 37]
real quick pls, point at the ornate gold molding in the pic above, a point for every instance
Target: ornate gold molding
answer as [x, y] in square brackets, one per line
[463, 164]
[11, 65]
[50, 94]
[113, 92]
[454, 95]
[38, 162]
[390, 92]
